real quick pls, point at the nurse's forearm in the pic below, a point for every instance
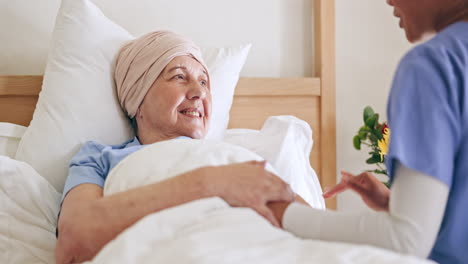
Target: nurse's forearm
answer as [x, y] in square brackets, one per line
[417, 205]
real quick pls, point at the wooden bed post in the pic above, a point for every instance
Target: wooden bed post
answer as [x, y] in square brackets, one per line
[324, 14]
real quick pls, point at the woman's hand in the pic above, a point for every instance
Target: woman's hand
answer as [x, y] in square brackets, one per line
[248, 184]
[373, 192]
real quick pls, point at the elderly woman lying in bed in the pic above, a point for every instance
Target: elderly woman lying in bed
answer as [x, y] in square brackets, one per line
[164, 87]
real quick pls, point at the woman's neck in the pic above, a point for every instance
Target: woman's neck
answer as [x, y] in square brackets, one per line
[150, 137]
[457, 13]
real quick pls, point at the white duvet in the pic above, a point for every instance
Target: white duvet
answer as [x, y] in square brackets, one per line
[208, 230]
[28, 214]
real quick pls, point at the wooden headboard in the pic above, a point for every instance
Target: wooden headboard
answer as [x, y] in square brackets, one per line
[309, 98]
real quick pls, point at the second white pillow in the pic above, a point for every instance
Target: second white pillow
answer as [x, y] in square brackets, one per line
[286, 143]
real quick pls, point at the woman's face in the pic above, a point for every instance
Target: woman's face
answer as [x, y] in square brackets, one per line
[421, 17]
[179, 101]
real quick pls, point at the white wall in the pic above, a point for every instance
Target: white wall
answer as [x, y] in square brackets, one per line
[369, 46]
[281, 30]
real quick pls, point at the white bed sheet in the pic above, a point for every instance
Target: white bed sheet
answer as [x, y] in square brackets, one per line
[10, 136]
[28, 213]
[286, 143]
[203, 231]
[209, 230]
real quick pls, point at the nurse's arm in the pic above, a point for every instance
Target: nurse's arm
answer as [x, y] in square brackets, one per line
[416, 209]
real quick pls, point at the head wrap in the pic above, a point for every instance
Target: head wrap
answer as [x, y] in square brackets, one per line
[141, 61]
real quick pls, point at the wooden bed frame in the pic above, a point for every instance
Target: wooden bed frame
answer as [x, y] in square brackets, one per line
[311, 99]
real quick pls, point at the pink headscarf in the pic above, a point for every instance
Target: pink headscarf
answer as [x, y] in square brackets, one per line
[141, 61]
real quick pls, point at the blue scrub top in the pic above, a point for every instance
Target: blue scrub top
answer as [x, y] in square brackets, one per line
[428, 118]
[94, 161]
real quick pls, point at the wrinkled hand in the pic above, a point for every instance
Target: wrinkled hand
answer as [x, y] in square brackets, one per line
[373, 192]
[248, 184]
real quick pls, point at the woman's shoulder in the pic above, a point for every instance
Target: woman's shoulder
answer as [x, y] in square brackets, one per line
[433, 72]
[94, 148]
[445, 49]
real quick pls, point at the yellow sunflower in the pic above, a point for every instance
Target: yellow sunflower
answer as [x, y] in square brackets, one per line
[383, 144]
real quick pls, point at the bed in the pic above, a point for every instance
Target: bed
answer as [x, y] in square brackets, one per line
[309, 98]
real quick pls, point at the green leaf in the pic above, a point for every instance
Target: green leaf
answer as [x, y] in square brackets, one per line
[376, 120]
[383, 172]
[372, 121]
[373, 138]
[379, 126]
[366, 130]
[387, 183]
[368, 112]
[357, 142]
[373, 160]
[378, 133]
[362, 135]
[363, 128]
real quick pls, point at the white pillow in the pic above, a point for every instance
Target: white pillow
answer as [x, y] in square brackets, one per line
[10, 135]
[29, 207]
[285, 142]
[78, 99]
[224, 65]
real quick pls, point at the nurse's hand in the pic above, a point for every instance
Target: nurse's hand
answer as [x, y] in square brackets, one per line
[373, 192]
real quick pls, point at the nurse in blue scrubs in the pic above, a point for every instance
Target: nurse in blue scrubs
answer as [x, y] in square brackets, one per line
[425, 212]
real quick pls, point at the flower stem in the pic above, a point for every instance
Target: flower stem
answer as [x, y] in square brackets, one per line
[380, 166]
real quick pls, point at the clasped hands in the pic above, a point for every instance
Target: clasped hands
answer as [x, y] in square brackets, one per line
[373, 192]
[249, 184]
